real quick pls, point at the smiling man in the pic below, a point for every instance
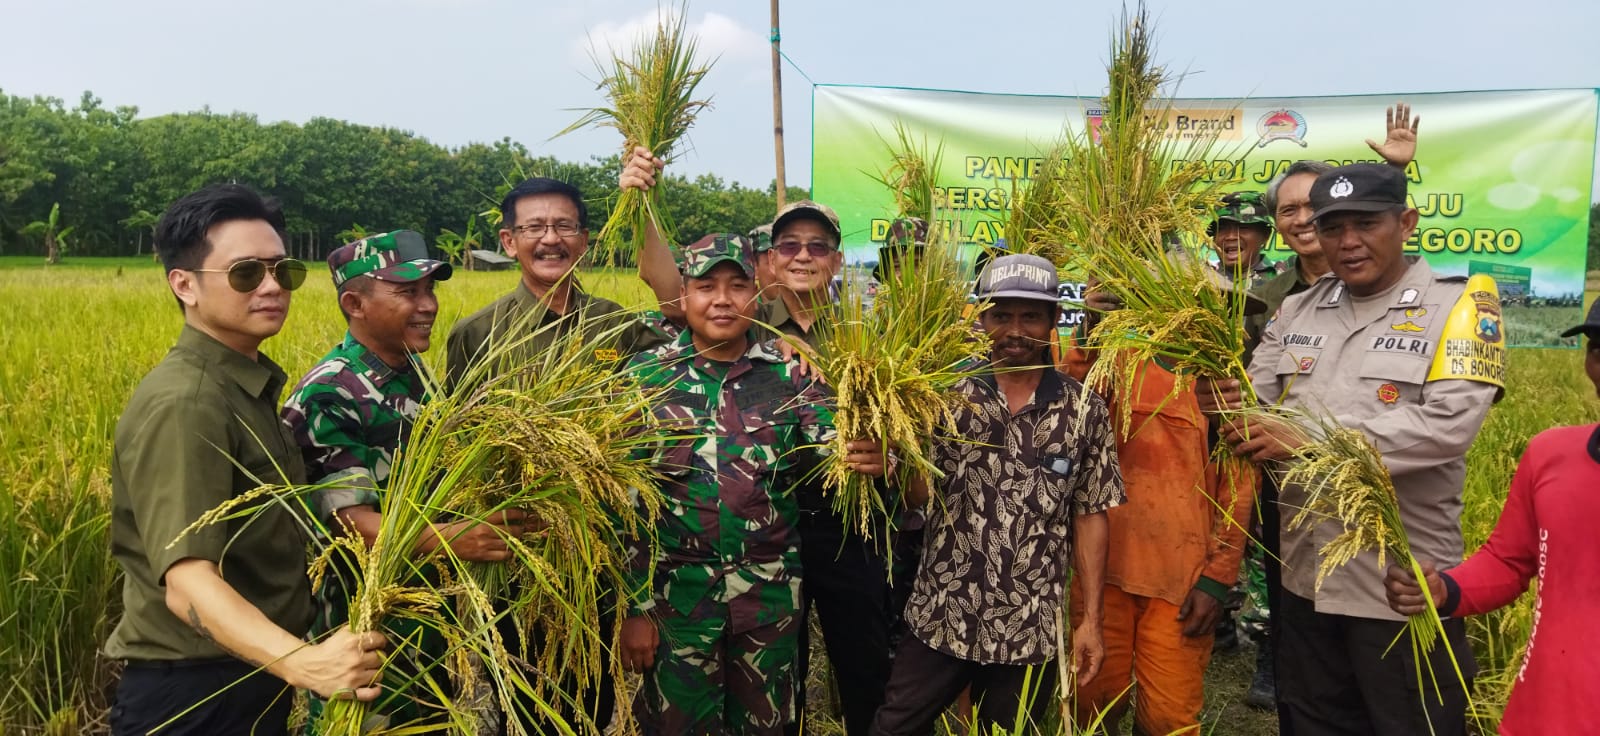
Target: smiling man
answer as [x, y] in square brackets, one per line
[352, 413]
[1372, 344]
[542, 226]
[213, 618]
[716, 632]
[1239, 231]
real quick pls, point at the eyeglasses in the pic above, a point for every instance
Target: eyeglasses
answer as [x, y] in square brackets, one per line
[537, 230]
[244, 276]
[791, 248]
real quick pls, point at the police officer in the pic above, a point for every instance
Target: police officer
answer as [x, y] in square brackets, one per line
[1413, 359]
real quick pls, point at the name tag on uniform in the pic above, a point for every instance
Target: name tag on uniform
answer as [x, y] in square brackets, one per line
[1397, 344]
[1301, 340]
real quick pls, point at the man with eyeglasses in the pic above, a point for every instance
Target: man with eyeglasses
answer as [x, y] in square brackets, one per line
[350, 415]
[845, 577]
[214, 617]
[542, 227]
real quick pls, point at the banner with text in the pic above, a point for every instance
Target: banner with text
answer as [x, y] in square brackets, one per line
[1502, 179]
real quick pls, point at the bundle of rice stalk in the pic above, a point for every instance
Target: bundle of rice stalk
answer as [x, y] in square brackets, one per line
[1132, 204]
[1345, 481]
[651, 95]
[912, 174]
[892, 367]
[1035, 219]
[556, 436]
[568, 440]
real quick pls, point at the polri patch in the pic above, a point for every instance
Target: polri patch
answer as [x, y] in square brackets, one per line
[1398, 344]
[1307, 363]
[1388, 393]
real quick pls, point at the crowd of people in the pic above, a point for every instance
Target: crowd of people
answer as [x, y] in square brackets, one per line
[1068, 534]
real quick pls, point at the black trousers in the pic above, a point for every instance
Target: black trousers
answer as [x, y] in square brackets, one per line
[1334, 678]
[926, 682]
[845, 578]
[596, 703]
[215, 697]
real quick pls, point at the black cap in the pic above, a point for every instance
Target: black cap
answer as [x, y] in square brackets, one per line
[1359, 188]
[1590, 326]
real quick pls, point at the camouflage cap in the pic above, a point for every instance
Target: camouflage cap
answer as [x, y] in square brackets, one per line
[1245, 208]
[761, 238]
[704, 254]
[400, 256]
[806, 209]
[912, 230]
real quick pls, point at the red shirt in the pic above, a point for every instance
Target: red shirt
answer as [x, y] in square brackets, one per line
[1548, 529]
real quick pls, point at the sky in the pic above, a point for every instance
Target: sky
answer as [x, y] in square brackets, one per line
[458, 71]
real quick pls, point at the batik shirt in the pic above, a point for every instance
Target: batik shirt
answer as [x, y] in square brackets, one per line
[999, 535]
[349, 414]
[732, 435]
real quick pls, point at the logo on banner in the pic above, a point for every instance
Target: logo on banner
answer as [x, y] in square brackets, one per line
[1281, 125]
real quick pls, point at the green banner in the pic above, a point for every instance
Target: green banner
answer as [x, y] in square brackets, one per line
[1502, 179]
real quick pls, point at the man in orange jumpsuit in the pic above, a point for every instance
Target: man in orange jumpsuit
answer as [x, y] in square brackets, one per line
[1175, 551]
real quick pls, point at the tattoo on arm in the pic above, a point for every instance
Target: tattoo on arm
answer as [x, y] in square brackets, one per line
[200, 628]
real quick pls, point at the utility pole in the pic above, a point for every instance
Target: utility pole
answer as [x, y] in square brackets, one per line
[777, 105]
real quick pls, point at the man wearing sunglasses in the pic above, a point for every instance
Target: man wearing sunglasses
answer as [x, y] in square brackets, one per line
[350, 414]
[213, 617]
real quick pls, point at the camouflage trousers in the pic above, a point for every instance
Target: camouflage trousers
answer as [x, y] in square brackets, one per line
[709, 679]
[1255, 614]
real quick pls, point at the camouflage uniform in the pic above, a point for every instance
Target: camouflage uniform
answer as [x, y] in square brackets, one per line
[725, 573]
[1250, 594]
[349, 415]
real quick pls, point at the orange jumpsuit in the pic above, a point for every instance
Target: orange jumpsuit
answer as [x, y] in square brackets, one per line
[1183, 520]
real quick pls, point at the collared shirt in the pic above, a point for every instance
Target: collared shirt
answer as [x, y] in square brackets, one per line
[1272, 292]
[728, 523]
[349, 414]
[613, 334]
[202, 409]
[1185, 516]
[1366, 361]
[999, 536]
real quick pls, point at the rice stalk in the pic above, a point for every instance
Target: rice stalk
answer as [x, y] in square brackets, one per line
[651, 100]
[912, 176]
[892, 367]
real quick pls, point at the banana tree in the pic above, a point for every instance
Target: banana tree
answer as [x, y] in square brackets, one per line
[55, 236]
[458, 247]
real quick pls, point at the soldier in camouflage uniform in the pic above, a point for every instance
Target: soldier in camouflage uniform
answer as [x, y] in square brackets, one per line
[715, 631]
[1239, 232]
[351, 413]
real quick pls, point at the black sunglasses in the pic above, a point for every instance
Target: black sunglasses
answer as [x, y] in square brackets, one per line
[791, 248]
[244, 276]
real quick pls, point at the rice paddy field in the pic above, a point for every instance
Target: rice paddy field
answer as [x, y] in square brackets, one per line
[77, 337]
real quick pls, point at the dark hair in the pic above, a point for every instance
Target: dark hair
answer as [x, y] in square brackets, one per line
[537, 186]
[1269, 198]
[181, 233]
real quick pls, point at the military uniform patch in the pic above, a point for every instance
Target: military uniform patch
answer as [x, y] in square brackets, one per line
[1388, 393]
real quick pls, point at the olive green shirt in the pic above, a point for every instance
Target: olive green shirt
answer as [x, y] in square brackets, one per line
[1272, 292]
[520, 315]
[202, 409]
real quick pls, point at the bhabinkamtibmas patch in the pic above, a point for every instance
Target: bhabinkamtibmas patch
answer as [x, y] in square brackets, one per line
[1472, 346]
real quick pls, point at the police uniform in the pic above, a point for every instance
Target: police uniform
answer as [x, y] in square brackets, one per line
[1415, 368]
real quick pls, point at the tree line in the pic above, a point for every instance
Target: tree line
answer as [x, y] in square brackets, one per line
[93, 180]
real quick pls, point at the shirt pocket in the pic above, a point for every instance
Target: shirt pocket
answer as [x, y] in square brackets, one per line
[1394, 379]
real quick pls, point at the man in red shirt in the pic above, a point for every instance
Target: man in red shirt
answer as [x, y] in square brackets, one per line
[1546, 530]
